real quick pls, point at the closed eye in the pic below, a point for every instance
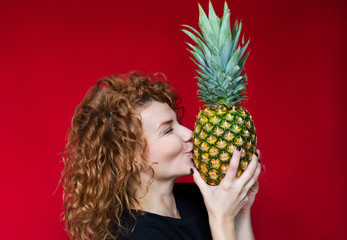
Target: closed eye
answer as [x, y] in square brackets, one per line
[169, 130]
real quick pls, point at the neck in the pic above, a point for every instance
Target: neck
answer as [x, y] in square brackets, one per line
[157, 198]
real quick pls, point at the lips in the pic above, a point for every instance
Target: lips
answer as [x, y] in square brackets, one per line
[190, 149]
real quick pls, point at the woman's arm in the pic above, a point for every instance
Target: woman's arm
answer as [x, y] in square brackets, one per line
[223, 202]
[243, 226]
[243, 223]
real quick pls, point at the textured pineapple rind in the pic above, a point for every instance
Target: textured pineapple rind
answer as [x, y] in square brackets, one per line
[217, 133]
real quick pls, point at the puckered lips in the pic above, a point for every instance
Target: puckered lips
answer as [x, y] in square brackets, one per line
[190, 150]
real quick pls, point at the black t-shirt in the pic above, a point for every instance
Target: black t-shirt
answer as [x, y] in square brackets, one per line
[193, 224]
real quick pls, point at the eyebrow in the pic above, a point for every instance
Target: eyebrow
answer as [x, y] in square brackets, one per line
[168, 122]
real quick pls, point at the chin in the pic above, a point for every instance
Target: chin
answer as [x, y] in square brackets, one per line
[186, 172]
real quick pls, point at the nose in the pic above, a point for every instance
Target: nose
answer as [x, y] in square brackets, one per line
[187, 134]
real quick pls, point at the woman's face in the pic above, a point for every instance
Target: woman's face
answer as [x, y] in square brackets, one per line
[169, 144]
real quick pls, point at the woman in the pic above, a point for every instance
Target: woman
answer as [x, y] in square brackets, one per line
[124, 152]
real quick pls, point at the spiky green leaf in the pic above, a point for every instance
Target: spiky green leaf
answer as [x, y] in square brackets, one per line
[233, 72]
[239, 87]
[238, 79]
[206, 70]
[236, 37]
[202, 46]
[203, 74]
[199, 52]
[233, 60]
[226, 50]
[236, 24]
[194, 30]
[214, 20]
[244, 48]
[243, 60]
[205, 23]
[219, 57]
[225, 27]
[199, 59]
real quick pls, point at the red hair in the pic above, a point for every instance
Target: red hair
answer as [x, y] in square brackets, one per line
[101, 157]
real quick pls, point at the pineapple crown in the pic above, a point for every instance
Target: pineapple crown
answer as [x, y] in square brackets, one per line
[221, 76]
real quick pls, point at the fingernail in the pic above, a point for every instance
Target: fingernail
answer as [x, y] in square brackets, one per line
[192, 171]
[238, 148]
[256, 154]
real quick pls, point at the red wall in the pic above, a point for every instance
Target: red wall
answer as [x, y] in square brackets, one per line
[51, 52]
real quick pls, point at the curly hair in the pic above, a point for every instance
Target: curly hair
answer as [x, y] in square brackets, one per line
[101, 157]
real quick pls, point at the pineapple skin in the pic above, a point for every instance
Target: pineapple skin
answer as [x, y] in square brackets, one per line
[217, 133]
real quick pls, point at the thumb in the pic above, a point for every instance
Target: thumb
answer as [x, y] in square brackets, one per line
[198, 179]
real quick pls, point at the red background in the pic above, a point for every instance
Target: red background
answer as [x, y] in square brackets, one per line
[51, 52]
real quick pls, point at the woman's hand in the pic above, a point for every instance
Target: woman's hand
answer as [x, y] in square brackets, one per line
[232, 194]
[223, 202]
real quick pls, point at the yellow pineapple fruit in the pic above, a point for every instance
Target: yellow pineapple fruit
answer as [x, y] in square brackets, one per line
[223, 124]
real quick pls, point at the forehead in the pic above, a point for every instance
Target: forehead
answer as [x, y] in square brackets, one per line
[154, 113]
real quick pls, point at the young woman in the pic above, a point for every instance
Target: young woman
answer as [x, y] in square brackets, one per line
[125, 150]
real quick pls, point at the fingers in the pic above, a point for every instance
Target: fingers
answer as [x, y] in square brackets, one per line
[198, 179]
[250, 171]
[233, 166]
[258, 154]
[254, 179]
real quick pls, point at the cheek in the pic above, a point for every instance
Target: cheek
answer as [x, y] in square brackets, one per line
[164, 150]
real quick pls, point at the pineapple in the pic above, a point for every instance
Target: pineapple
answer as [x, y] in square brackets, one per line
[223, 124]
